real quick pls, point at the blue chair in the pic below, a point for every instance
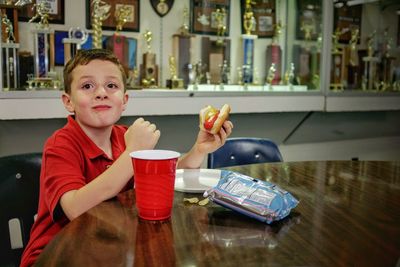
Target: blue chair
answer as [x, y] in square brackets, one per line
[242, 151]
[19, 198]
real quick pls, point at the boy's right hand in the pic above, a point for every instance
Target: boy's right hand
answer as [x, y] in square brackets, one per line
[141, 135]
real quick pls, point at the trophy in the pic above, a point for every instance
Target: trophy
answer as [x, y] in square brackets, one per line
[370, 63]
[118, 43]
[274, 53]
[270, 76]
[337, 64]
[387, 62]
[100, 12]
[214, 52]
[248, 43]
[43, 41]
[149, 69]
[9, 57]
[76, 37]
[289, 76]
[182, 42]
[174, 82]
[353, 75]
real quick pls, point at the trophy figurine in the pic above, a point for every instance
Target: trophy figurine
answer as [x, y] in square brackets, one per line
[220, 17]
[248, 41]
[9, 77]
[174, 82]
[270, 76]
[149, 69]
[290, 76]
[100, 12]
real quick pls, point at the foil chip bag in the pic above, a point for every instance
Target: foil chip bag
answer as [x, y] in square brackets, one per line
[255, 198]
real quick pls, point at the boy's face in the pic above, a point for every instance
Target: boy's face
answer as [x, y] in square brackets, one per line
[97, 94]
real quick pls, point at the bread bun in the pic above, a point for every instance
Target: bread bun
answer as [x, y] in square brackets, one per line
[211, 119]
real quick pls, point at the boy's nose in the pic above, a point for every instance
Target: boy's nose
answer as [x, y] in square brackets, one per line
[101, 92]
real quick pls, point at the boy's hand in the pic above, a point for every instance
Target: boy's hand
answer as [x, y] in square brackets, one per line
[208, 143]
[141, 135]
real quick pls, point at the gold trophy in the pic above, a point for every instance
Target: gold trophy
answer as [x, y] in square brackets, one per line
[387, 62]
[44, 53]
[182, 43]
[174, 82]
[248, 43]
[220, 16]
[149, 68]
[9, 61]
[100, 12]
[270, 76]
[118, 43]
[370, 64]
[337, 64]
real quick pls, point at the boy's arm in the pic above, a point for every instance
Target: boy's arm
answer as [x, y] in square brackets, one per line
[205, 143]
[140, 135]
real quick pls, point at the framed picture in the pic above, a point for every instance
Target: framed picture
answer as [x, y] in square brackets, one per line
[264, 15]
[56, 13]
[59, 48]
[132, 24]
[309, 19]
[205, 16]
[347, 18]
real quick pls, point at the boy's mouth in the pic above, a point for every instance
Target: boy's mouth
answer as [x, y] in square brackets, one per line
[101, 107]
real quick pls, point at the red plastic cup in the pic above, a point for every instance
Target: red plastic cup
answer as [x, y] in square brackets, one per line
[154, 176]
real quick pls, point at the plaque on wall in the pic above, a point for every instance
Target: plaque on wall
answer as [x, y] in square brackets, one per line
[264, 17]
[132, 23]
[346, 19]
[205, 16]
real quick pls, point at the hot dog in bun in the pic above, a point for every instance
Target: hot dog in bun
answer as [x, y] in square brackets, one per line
[211, 119]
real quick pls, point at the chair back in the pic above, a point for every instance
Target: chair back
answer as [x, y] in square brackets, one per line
[242, 151]
[19, 198]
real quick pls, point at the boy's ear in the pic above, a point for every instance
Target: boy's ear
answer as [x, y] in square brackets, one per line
[126, 98]
[66, 98]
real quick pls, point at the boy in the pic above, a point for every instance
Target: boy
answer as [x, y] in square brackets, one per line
[87, 161]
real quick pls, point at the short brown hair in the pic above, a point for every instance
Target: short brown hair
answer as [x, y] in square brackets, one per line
[83, 57]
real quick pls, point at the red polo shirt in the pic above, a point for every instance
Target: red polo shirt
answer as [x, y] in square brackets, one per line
[70, 160]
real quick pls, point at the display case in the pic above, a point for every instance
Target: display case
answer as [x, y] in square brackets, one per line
[333, 55]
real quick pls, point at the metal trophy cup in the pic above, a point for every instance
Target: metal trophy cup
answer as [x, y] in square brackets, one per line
[9, 79]
[149, 68]
[76, 37]
[248, 44]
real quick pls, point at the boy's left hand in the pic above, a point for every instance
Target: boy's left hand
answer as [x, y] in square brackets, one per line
[208, 143]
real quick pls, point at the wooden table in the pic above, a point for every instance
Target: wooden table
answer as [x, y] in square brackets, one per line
[348, 215]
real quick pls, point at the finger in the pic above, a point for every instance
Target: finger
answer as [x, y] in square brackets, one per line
[146, 123]
[139, 120]
[152, 127]
[157, 133]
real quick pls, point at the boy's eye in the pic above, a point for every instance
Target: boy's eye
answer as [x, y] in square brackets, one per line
[112, 86]
[87, 86]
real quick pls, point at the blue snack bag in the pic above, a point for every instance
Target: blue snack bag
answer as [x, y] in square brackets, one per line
[255, 198]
